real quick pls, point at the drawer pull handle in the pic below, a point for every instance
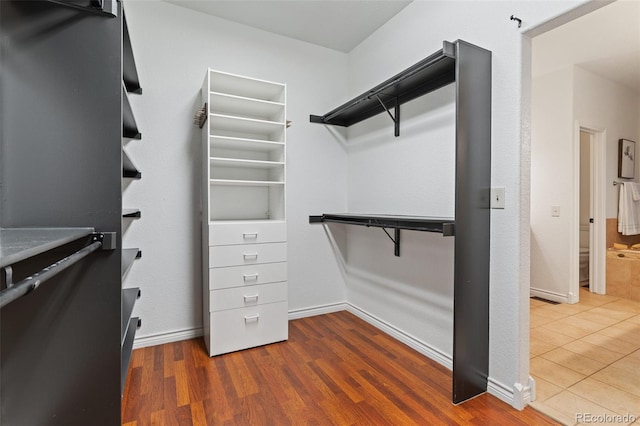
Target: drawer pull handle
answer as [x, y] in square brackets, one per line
[248, 318]
[250, 256]
[250, 277]
[249, 235]
[249, 298]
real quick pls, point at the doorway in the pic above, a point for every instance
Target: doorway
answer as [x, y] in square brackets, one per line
[591, 215]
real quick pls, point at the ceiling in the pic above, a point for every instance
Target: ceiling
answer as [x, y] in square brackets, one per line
[338, 25]
[605, 42]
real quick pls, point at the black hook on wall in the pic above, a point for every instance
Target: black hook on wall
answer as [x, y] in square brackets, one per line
[513, 18]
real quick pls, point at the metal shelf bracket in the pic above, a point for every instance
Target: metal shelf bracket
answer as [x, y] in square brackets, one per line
[395, 119]
[395, 239]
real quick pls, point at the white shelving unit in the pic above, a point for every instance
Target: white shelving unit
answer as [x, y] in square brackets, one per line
[244, 214]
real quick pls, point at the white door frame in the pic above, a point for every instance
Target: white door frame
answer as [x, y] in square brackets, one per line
[597, 234]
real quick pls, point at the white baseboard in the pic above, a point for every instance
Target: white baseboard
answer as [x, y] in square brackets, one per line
[418, 345]
[169, 337]
[549, 295]
[519, 396]
[317, 310]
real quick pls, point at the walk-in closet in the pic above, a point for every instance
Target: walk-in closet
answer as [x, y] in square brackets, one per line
[271, 212]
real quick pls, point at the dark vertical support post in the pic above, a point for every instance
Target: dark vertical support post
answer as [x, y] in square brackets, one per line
[397, 120]
[473, 180]
[396, 242]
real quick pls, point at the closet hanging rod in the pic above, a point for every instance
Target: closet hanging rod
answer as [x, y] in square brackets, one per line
[29, 284]
[448, 51]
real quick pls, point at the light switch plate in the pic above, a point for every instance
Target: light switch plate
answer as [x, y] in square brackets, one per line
[497, 198]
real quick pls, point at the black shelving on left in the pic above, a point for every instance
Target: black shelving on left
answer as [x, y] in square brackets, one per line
[61, 169]
[130, 85]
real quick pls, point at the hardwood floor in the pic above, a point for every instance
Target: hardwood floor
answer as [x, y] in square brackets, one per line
[335, 369]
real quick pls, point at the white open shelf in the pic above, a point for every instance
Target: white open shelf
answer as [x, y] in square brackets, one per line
[245, 144]
[253, 164]
[245, 154]
[246, 200]
[239, 182]
[246, 87]
[246, 127]
[246, 107]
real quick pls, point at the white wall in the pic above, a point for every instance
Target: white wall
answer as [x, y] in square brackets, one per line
[603, 104]
[560, 99]
[173, 48]
[551, 182]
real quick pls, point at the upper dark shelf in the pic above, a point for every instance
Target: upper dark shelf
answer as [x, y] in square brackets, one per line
[431, 73]
[413, 223]
[129, 70]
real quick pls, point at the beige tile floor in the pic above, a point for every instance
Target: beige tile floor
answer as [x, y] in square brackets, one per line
[585, 359]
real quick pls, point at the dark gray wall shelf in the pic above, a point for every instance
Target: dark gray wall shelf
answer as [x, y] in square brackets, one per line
[19, 244]
[469, 68]
[129, 297]
[129, 170]
[127, 348]
[63, 115]
[132, 213]
[129, 126]
[433, 72]
[414, 223]
[445, 226]
[128, 257]
[129, 69]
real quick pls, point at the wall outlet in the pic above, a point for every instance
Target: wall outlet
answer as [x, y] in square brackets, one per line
[497, 198]
[555, 211]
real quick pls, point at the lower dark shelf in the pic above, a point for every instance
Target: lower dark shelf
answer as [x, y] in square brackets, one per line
[128, 256]
[414, 223]
[445, 226]
[127, 348]
[129, 297]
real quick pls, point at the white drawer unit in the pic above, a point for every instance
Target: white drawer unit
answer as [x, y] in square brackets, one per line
[238, 276]
[247, 254]
[243, 297]
[237, 329]
[244, 228]
[249, 232]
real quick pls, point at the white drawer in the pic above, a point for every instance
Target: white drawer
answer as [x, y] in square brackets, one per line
[247, 254]
[252, 295]
[221, 234]
[242, 328]
[238, 276]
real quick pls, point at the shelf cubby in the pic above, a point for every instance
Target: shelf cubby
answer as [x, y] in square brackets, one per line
[250, 128]
[253, 88]
[223, 103]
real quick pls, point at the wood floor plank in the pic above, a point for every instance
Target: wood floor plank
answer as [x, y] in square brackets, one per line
[335, 369]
